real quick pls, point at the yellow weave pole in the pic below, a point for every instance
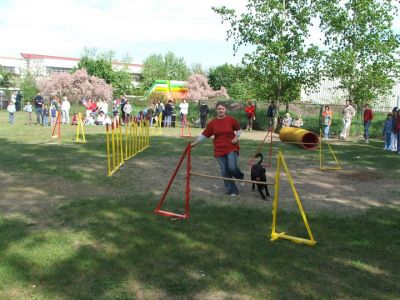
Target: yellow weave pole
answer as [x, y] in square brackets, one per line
[79, 129]
[131, 138]
[320, 149]
[121, 161]
[113, 145]
[283, 235]
[108, 150]
[126, 139]
[157, 126]
[148, 133]
[135, 140]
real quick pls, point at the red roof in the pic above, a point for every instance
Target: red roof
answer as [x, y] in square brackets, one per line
[41, 56]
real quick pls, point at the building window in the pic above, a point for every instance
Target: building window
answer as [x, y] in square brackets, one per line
[52, 70]
[8, 69]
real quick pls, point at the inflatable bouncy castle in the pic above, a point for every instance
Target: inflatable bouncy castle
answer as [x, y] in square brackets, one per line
[173, 89]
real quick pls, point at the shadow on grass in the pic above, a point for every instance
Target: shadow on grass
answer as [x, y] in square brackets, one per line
[133, 252]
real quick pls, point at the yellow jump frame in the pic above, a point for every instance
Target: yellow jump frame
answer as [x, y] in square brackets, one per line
[80, 129]
[282, 235]
[321, 156]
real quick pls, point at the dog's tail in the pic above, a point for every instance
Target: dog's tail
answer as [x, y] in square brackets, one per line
[261, 157]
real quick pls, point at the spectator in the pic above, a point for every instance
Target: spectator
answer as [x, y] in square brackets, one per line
[387, 132]
[326, 121]
[396, 129]
[45, 120]
[123, 103]
[38, 102]
[53, 116]
[65, 107]
[250, 111]
[348, 113]
[394, 135]
[204, 110]
[74, 119]
[168, 114]
[127, 111]
[287, 120]
[368, 116]
[298, 122]
[184, 110]
[11, 112]
[271, 113]
[28, 110]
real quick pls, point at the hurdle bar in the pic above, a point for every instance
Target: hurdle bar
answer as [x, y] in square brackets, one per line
[230, 179]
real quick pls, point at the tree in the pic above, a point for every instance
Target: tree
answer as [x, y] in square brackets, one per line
[234, 79]
[282, 63]
[7, 79]
[197, 68]
[168, 67]
[361, 46]
[28, 86]
[100, 65]
[76, 86]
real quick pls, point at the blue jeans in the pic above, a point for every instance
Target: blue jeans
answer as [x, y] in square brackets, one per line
[229, 169]
[366, 129]
[326, 131]
[11, 117]
[388, 140]
[39, 115]
[167, 121]
[45, 121]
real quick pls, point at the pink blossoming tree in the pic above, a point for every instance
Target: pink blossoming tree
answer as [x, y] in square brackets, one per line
[76, 86]
[199, 89]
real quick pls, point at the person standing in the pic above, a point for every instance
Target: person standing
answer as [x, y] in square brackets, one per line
[38, 102]
[348, 113]
[168, 110]
[11, 112]
[204, 110]
[394, 135]
[396, 129]
[250, 111]
[271, 113]
[28, 110]
[327, 121]
[65, 107]
[184, 110]
[387, 132]
[226, 132]
[127, 111]
[368, 116]
[123, 103]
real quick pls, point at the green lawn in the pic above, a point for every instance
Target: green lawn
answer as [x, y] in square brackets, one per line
[67, 231]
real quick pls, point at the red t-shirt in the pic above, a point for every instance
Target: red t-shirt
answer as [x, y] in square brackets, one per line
[223, 131]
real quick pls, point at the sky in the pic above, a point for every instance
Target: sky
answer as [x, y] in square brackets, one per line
[190, 29]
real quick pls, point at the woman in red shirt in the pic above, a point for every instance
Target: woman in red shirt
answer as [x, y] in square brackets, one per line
[226, 132]
[250, 111]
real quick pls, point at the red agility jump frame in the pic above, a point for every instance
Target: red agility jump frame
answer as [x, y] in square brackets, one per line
[186, 153]
[269, 133]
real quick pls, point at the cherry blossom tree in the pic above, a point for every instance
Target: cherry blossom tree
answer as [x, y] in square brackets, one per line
[76, 86]
[199, 89]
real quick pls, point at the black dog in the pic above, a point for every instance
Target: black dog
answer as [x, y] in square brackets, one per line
[258, 174]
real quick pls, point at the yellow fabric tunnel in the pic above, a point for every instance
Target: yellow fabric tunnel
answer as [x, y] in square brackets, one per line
[306, 139]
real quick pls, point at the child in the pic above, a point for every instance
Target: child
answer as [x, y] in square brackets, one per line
[45, 115]
[11, 112]
[387, 132]
[298, 122]
[53, 116]
[327, 121]
[74, 119]
[287, 120]
[28, 110]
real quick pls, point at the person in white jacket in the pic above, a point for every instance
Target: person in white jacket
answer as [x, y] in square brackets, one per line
[128, 111]
[65, 107]
[11, 112]
[184, 110]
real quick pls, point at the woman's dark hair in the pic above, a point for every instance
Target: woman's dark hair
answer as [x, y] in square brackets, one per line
[326, 106]
[222, 104]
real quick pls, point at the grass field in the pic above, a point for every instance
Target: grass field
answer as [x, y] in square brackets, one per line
[67, 231]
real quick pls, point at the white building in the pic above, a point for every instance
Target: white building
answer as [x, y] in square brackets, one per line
[45, 65]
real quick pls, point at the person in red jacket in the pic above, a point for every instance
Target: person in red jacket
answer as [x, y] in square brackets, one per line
[250, 111]
[226, 132]
[368, 116]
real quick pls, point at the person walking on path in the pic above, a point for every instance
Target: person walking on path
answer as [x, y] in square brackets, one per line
[368, 116]
[348, 113]
[204, 110]
[226, 132]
